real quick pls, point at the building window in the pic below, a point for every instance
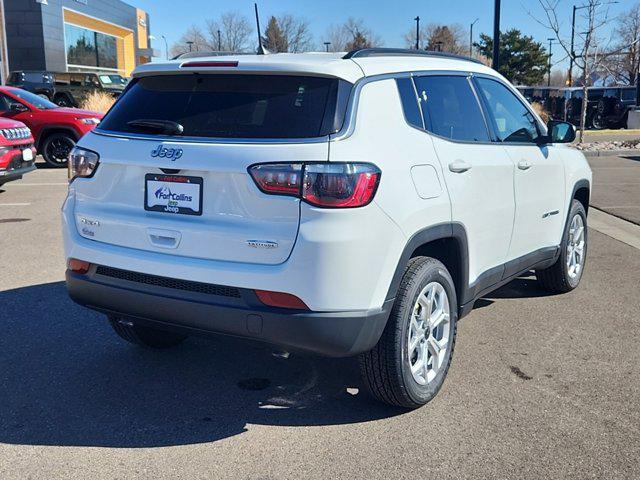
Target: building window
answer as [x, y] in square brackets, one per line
[87, 48]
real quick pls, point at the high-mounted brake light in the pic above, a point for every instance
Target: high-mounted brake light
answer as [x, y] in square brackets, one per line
[209, 64]
[327, 185]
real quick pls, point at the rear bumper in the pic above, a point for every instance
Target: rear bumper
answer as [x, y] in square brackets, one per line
[333, 334]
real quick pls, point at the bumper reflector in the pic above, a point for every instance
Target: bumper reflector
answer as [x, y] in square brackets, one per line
[281, 300]
[78, 266]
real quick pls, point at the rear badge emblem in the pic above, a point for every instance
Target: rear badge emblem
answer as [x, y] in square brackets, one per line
[262, 244]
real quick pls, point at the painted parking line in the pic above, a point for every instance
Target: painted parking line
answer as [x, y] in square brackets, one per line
[14, 204]
[36, 184]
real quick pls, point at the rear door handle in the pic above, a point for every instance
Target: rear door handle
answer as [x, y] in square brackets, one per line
[524, 165]
[459, 166]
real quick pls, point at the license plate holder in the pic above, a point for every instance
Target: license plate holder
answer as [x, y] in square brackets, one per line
[174, 194]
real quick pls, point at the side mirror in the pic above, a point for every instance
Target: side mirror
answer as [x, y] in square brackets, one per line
[18, 107]
[560, 132]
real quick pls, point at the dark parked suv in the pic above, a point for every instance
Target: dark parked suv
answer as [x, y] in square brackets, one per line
[612, 108]
[71, 89]
[38, 82]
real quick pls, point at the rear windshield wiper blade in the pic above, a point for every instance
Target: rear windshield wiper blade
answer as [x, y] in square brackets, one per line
[166, 127]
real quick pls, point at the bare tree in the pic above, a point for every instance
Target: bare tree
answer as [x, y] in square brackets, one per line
[589, 56]
[623, 64]
[351, 35]
[193, 39]
[235, 32]
[446, 38]
[296, 32]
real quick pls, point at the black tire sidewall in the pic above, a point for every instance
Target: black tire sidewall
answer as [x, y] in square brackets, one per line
[576, 209]
[430, 272]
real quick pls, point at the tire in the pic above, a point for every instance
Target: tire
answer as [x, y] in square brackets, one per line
[560, 278]
[387, 368]
[56, 147]
[598, 121]
[63, 101]
[144, 336]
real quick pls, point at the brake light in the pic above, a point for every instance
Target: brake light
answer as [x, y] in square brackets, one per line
[78, 266]
[209, 64]
[327, 185]
[281, 300]
[278, 178]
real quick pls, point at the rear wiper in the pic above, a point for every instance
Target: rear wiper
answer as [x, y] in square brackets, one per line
[166, 127]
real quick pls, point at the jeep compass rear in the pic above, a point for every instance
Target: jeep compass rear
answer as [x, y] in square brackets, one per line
[205, 202]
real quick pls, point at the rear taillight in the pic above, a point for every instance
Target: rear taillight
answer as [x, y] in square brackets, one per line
[82, 163]
[327, 185]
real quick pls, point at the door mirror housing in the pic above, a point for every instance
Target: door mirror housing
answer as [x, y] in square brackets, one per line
[559, 132]
[18, 107]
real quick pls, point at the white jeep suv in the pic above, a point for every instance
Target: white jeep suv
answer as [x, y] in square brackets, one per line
[336, 204]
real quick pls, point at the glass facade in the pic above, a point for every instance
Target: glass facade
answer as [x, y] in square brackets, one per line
[87, 48]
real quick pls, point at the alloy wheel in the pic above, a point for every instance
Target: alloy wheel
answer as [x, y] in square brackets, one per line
[428, 333]
[575, 247]
[59, 149]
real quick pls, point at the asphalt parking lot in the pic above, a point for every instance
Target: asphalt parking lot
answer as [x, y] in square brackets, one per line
[540, 386]
[616, 186]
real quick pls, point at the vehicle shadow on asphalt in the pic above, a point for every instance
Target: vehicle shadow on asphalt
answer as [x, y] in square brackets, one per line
[66, 379]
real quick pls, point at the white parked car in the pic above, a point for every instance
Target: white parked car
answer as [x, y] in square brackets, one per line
[337, 204]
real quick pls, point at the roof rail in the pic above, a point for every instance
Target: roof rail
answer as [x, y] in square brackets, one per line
[402, 52]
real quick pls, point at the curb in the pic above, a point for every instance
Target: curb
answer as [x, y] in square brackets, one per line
[609, 153]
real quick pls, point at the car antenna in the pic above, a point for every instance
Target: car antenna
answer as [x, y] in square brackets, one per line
[261, 49]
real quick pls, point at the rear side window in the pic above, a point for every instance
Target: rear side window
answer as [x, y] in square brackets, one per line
[234, 106]
[409, 102]
[451, 109]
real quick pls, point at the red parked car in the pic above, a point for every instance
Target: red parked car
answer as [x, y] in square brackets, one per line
[17, 153]
[55, 129]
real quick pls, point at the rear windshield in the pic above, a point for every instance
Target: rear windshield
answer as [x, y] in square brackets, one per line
[233, 106]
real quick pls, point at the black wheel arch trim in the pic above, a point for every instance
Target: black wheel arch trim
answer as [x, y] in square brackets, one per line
[443, 231]
[46, 131]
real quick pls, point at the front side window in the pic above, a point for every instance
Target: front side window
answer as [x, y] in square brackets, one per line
[628, 94]
[512, 121]
[450, 108]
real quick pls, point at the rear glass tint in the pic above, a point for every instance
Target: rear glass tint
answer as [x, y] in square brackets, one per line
[234, 106]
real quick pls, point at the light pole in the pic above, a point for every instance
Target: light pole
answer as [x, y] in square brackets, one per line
[166, 47]
[326, 46]
[573, 34]
[573, 53]
[190, 43]
[417, 19]
[471, 37]
[495, 64]
[219, 42]
[549, 62]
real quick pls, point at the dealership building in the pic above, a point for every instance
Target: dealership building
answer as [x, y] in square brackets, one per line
[72, 35]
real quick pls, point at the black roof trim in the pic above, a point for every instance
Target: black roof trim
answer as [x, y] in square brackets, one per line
[402, 52]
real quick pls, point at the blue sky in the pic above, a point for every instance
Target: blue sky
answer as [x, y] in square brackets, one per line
[390, 19]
